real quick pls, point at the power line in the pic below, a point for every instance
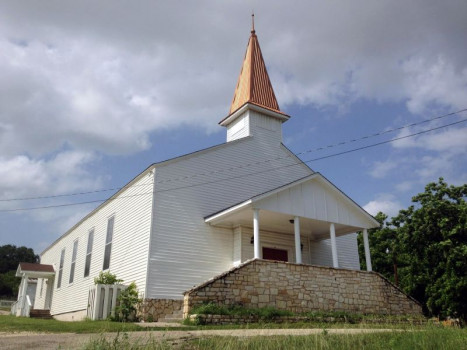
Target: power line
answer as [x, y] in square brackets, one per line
[239, 176]
[249, 164]
[383, 132]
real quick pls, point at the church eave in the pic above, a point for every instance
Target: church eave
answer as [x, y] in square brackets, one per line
[255, 107]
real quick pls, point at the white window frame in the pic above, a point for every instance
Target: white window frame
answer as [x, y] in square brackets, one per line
[73, 262]
[87, 261]
[108, 242]
[60, 268]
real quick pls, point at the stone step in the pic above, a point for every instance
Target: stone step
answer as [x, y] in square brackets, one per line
[171, 319]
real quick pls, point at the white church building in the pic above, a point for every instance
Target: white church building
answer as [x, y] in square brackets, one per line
[185, 220]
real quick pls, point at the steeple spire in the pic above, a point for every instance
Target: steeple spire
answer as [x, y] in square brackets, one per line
[253, 84]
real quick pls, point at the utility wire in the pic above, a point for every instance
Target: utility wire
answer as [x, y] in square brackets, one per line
[239, 176]
[250, 164]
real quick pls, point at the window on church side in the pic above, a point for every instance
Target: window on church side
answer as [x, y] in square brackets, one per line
[60, 269]
[87, 265]
[108, 243]
[73, 261]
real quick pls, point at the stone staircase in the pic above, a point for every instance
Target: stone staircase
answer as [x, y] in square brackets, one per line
[176, 316]
[43, 314]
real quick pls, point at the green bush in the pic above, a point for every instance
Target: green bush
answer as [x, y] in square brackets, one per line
[107, 278]
[128, 301]
[266, 313]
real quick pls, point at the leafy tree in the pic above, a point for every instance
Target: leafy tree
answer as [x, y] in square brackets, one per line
[433, 233]
[10, 257]
[426, 246]
[9, 284]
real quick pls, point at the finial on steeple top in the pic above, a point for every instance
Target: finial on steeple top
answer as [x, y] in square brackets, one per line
[252, 23]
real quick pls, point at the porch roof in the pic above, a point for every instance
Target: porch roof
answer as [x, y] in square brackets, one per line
[314, 199]
[35, 270]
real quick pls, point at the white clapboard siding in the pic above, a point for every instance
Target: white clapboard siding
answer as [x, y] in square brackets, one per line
[132, 210]
[318, 200]
[186, 251]
[252, 123]
[239, 128]
[347, 252]
[265, 127]
[274, 240]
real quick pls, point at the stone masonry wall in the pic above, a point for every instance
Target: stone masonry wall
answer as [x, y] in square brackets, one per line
[301, 288]
[157, 309]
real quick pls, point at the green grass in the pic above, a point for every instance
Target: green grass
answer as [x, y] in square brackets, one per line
[270, 314]
[429, 339]
[305, 325]
[214, 309]
[9, 323]
[122, 342]
[409, 337]
[13, 324]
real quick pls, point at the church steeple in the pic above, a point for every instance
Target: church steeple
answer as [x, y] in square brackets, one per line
[254, 110]
[253, 84]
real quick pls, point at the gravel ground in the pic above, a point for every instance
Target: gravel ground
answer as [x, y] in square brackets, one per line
[76, 341]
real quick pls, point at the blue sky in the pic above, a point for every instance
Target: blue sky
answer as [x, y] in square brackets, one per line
[92, 94]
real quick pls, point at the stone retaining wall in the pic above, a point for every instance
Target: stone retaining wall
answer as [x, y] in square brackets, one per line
[302, 288]
[156, 309]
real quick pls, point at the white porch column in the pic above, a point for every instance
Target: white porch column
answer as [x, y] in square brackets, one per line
[97, 302]
[24, 290]
[367, 250]
[256, 233]
[106, 312]
[298, 250]
[49, 285]
[335, 262]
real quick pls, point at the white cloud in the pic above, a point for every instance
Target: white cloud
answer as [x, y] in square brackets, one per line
[85, 76]
[381, 169]
[22, 176]
[404, 186]
[430, 82]
[451, 140]
[102, 78]
[422, 159]
[439, 153]
[386, 203]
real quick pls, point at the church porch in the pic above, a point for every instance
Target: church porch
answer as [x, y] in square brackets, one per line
[286, 223]
[30, 273]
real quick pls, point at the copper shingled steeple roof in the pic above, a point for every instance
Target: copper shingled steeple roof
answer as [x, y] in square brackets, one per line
[253, 84]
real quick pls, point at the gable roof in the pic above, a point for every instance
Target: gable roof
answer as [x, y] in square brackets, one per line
[24, 266]
[313, 198]
[34, 270]
[139, 176]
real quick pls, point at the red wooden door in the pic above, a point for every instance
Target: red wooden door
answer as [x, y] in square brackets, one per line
[275, 254]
